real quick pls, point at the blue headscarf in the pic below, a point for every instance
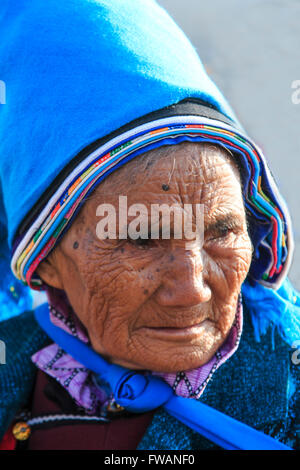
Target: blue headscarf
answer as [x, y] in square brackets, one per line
[88, 80]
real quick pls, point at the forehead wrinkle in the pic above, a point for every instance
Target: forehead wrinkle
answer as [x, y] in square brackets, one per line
[186, 159]
[145, 164]
[216, 168]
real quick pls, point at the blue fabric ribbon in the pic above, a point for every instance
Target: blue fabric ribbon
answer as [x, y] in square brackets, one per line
[140, 393]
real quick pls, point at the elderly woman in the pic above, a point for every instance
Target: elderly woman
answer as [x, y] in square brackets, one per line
[150, 339]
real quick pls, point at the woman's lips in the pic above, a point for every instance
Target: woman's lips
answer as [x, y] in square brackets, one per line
[177, 334]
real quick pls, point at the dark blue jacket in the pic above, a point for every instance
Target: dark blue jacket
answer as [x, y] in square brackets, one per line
[259, 386]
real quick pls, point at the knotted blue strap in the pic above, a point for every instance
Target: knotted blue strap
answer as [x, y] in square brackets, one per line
[139, 393]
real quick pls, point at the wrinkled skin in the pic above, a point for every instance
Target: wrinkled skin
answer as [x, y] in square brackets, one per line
[139, 302]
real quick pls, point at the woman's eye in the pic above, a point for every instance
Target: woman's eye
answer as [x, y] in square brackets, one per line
[224, 232]
[221, 233]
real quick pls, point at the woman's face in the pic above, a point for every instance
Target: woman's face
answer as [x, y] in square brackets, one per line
[157, 304]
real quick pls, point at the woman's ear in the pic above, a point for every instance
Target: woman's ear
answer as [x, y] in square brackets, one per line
[49, 274]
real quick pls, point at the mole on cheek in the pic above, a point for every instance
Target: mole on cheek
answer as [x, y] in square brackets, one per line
[75, 245]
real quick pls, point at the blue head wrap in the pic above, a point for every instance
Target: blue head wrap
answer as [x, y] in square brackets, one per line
[91, 84]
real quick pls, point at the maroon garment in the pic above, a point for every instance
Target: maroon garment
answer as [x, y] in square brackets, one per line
[122, 433]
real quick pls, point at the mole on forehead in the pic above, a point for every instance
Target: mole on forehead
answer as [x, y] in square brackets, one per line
[187, 163]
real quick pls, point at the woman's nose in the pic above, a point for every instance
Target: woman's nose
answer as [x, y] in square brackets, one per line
[184, 283]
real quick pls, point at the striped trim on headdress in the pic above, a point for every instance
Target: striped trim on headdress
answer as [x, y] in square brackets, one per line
[271, 232]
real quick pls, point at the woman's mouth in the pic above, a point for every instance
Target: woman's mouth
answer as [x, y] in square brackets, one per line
[178, 333]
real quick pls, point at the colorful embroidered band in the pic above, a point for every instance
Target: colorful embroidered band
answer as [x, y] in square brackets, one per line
[269, 228]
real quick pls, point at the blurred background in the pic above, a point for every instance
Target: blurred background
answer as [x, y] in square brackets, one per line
[251, 49]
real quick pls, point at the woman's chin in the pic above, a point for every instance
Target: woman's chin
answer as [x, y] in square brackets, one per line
[180, 360]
